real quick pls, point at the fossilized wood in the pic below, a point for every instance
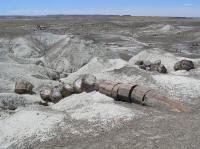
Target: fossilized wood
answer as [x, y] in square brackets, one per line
[106, 87]
[124, 92]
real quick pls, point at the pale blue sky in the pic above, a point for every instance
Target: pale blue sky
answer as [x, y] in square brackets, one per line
[189, 8]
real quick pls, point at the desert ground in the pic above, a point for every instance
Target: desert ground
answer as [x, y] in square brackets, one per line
[46, 49]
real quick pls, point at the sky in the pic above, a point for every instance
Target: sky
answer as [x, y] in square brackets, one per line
[182, 8]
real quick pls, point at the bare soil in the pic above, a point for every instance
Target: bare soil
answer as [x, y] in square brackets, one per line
[69, 45]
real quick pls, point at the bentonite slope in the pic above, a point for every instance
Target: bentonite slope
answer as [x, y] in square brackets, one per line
[44, 50]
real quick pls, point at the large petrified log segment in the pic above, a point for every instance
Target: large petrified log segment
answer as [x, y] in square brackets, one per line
[138, 94]
[124, 92]
[153, 99]
[106, 87]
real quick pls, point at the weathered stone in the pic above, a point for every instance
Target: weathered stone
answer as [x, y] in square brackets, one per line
[89, 83]
[67, 90]
[187, 65]
[45, 93]
[156, 66]
[162, 69]
[56, 94]
[184, 65]
[23, 87]
[177, 66]
[78, 85]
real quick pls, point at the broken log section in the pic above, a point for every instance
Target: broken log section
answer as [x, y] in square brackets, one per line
[133, 93]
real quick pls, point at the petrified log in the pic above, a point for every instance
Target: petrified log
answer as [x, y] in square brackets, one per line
[115, 91]
[89, 83]
[45, 93]
[56, 94]
[106, 87]
[23, 87]
[124, 92]
[138, 94]
[67, 90]
[86, 83]
[184, 65]
[77, 85]
[154, 99]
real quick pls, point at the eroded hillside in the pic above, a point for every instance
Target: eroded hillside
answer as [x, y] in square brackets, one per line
[46, 50]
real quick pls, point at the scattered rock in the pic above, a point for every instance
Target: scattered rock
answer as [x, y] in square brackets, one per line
[162, 69]
[156, 66]
[184, 65]
[23, 87]
[45, 93]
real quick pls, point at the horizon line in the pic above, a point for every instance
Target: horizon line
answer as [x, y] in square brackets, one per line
[127, 15]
